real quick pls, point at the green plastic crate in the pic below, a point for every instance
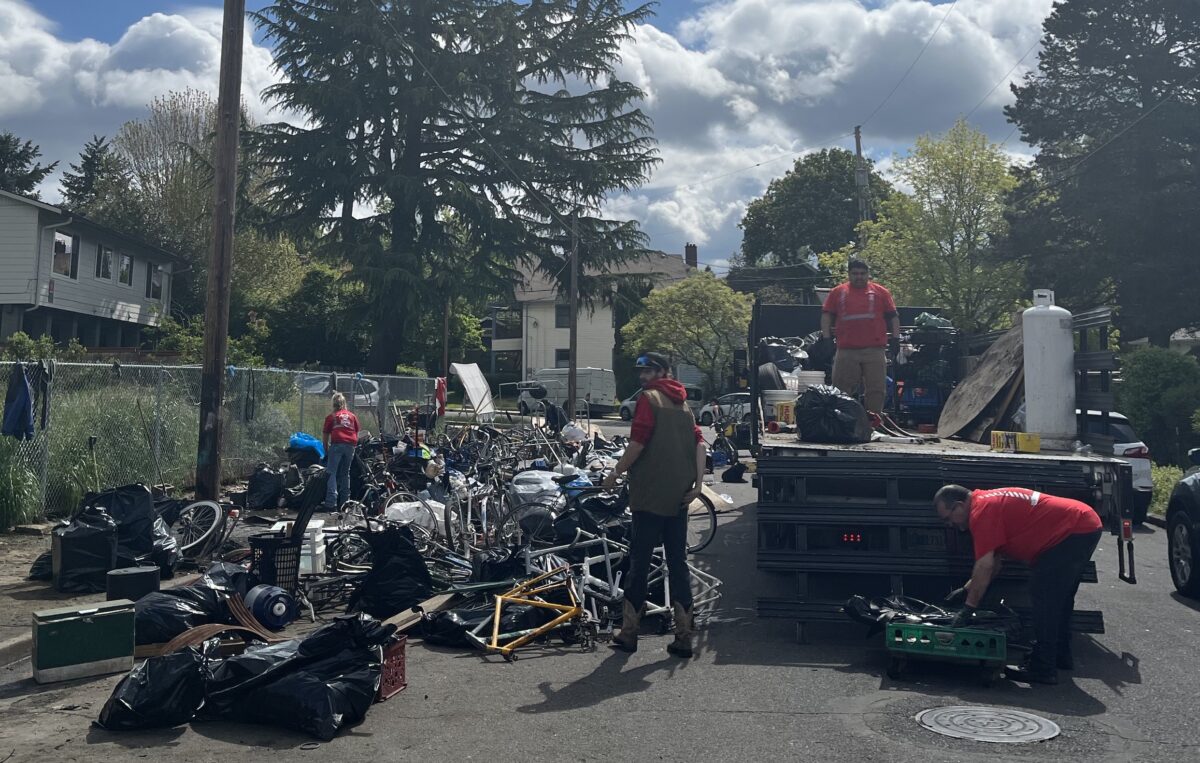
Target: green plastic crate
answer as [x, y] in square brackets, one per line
[949, 644]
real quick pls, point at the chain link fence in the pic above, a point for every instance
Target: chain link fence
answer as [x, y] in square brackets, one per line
[145, 423]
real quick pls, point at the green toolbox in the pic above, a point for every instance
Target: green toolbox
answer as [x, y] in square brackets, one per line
[985, 649]
[78, 642]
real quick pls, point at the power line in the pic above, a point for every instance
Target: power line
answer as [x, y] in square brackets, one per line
[911, 66]
[791, 154]
[1003, 79]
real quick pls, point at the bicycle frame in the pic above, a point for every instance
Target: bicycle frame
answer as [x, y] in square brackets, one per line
[528, 593]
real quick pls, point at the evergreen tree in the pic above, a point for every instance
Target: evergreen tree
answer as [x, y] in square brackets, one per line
[18, 171]
[1114, 110]
[79, 185]
[504, 117]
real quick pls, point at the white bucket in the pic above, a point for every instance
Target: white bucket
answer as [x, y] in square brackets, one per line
[772, 396]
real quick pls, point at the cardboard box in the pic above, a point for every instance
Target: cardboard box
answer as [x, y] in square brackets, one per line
[1016, 442]
[76, 642]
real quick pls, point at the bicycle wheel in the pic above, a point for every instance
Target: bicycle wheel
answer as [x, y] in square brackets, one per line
[702, 524]
[529, 524]
[195, 526]
[350, 549]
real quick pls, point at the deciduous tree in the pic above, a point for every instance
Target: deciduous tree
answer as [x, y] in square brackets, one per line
[699, 321]
[936, 246]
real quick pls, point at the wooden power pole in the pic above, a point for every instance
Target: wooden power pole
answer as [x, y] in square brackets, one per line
[573, 361]
[216, 308]
[862, 179]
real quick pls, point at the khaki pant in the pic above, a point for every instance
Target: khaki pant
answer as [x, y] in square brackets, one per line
[864, 369]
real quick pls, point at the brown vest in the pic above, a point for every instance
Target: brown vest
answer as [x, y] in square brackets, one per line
[666, 470]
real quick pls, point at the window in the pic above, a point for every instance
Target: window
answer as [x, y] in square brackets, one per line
[125, 274]
[508, 325]
[562, 358]
[66, 255]
[154, 281]
[562, 316]
[104, 262]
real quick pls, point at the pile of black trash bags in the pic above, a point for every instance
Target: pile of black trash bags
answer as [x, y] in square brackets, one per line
[114, 529]
[879, 612]
[317, 685]
[160, 616]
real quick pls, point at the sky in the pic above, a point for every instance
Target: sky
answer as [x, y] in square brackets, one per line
[737, 89]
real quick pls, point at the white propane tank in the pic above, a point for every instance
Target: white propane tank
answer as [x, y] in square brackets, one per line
[1049, 372]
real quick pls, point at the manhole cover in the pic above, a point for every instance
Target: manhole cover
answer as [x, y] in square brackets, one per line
[988, 724]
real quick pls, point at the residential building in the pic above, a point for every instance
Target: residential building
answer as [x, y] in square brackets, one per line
[66, 276]
[535, 332]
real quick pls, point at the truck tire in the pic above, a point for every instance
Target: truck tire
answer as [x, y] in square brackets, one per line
[769, 377]
[625, 414]
[1183, 554]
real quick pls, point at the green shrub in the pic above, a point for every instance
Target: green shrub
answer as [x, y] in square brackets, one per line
[19, 488]
[1160, 392]
[1165, 478]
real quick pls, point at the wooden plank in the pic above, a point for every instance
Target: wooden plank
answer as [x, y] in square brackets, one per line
[411, 617]
[997, 369]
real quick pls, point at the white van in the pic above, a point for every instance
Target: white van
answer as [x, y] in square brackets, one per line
[596, 385]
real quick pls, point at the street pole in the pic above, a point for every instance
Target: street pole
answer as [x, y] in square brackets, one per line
[216, 308]
[492, 354]
[573, 362]
[446, 339]
[861, 179]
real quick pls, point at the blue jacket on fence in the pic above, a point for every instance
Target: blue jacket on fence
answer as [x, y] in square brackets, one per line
[18, 405]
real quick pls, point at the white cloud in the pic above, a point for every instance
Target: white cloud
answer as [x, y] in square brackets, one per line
[58, 93]
[736, 91]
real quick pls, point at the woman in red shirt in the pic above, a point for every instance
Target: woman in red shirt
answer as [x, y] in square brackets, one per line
[341, 435]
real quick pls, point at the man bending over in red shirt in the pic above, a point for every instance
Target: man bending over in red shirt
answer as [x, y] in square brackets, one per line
[1054, 536]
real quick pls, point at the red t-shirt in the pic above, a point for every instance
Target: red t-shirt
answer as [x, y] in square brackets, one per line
[861, 315]
[1022, 524]
[342, 428]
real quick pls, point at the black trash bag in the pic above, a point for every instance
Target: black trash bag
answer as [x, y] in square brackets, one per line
[265, 488]
[43, 567]
[142, 536]
[310, 493]
[449, 628]
[735, 473]
[317, 685]
[159, 693]
[160, 616]
[163, 615]
[398, 579]
[495, 564]
[826, 414]
[87, 550]
[880, 612]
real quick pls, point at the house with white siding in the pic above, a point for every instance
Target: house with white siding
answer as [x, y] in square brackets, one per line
[64, 276]
[535, 333]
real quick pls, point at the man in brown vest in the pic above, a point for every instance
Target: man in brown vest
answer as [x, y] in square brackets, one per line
[666, 461]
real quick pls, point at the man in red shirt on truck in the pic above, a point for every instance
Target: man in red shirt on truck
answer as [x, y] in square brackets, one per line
[1054, 536]
[864, 316]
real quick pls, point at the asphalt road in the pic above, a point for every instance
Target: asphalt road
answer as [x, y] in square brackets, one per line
[751, 694]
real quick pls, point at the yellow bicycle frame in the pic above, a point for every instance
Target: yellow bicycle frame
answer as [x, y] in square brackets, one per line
[524, 593]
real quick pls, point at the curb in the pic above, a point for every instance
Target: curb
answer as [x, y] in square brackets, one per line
[15, 649]
[1151, 519]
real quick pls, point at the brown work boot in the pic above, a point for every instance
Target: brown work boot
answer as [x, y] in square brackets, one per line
[682, 645]
[626, 639]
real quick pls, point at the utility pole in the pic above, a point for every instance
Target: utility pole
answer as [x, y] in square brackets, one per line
[446, 339]
[573, 362]
[216, 308]
[862, 179]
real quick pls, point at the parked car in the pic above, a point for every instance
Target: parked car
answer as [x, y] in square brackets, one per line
[1129, 447]
[723, 406]
[360, 393]
[1183, 530]
[695, 401]
[628, 404]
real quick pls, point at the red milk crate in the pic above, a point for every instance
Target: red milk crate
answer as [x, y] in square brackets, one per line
[393, 680]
